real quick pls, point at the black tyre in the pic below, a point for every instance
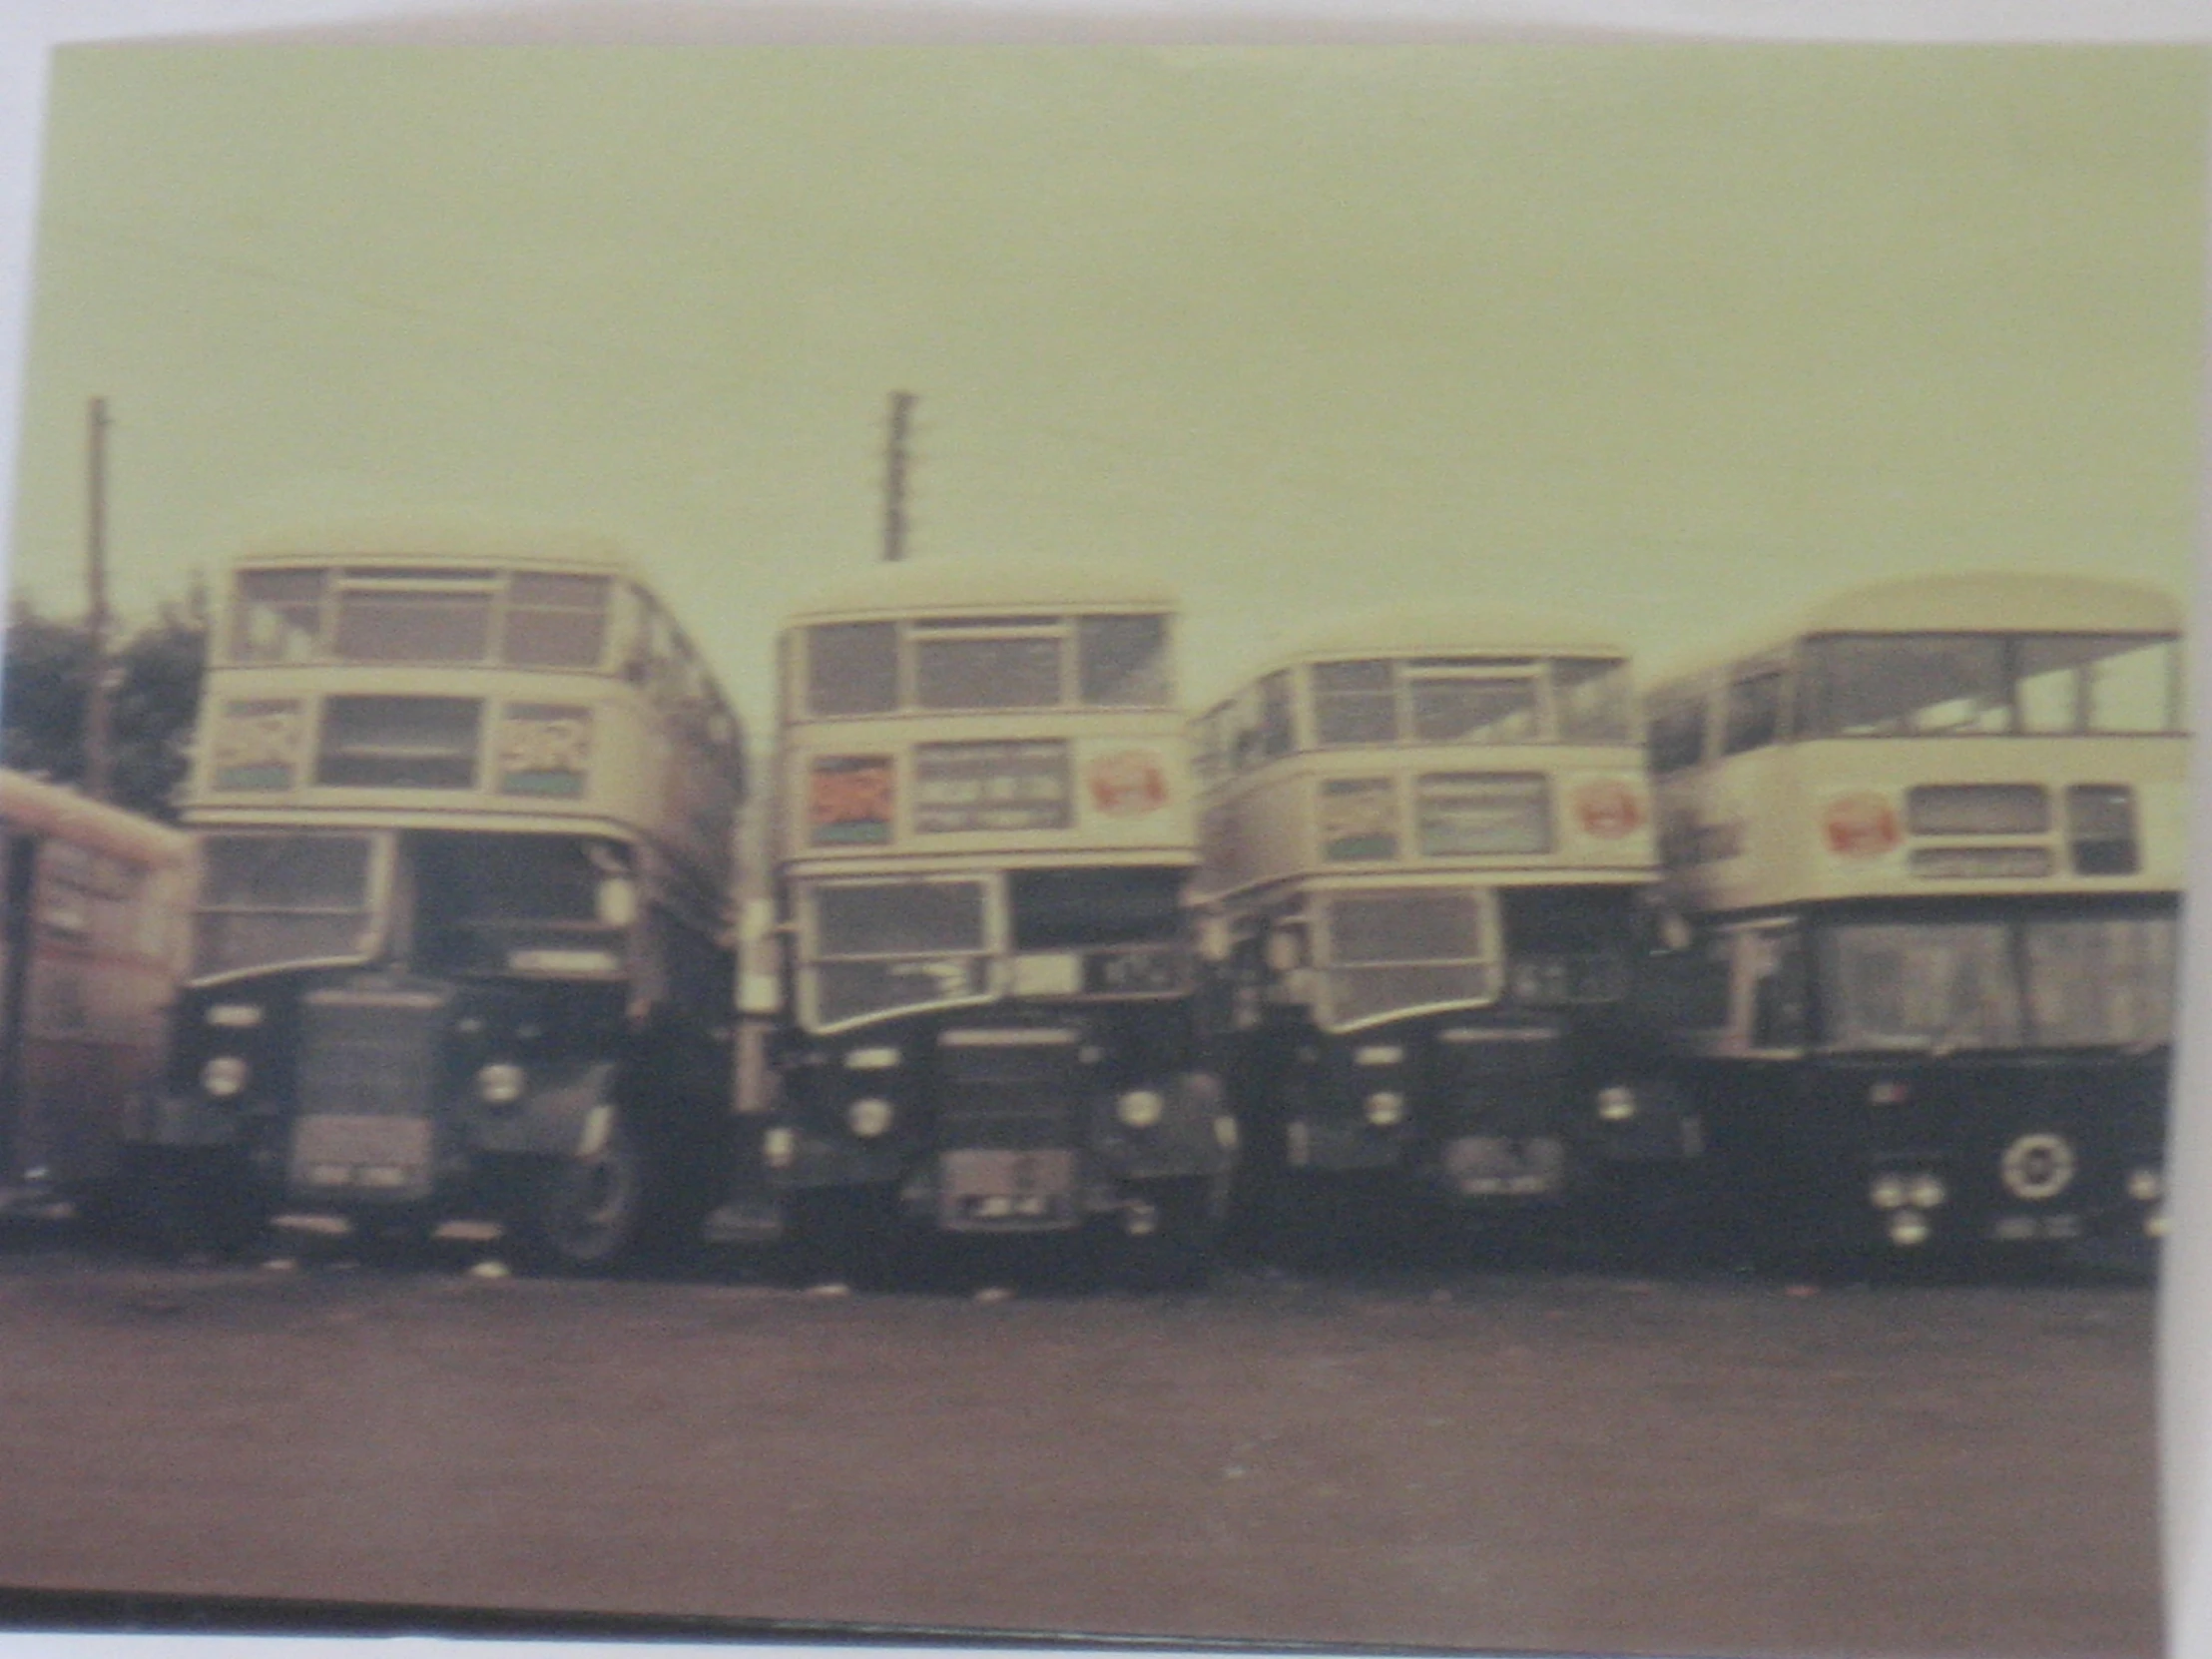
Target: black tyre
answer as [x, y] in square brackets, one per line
[582, 1214]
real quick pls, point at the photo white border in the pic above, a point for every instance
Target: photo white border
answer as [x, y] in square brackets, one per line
[31, 29]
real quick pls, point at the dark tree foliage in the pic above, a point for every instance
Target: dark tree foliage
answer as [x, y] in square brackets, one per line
[46, 682]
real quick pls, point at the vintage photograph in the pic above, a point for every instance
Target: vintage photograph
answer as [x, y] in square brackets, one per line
[1366, 844]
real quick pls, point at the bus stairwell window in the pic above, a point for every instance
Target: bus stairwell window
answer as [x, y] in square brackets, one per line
[2101, 823]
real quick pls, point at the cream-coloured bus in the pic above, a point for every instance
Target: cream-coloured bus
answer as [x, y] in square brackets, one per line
[1930, 835]
[92, 933]
[983, 832]
[1428, 841]
[460, 948]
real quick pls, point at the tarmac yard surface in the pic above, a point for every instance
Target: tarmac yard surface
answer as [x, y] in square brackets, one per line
[1514, 1460]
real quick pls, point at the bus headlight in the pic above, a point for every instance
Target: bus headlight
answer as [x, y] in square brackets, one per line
[235, 1016]
[871, 1059]
[1380, 1054]
[499, 1084]
[2145, 1186]
[224, 1076]
[1926, 1192]
[870, 1116]
[1908, 1228]
[1616, 1104]
[1887, 1192]
[1385, 1108]
[1140, 1108]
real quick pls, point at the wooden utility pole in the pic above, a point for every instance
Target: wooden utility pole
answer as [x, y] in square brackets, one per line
[895, 477]
[97, 745]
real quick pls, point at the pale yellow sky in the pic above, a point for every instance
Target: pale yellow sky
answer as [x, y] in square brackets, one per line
[1671, 335]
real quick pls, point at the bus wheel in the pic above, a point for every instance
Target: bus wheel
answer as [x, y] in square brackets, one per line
[582, 1214]
[1167, 1243]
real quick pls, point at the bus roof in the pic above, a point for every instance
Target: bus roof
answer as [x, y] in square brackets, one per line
[435, 541]
[1996, 601]
[1445, 630]
[1968, 602]
[981, 584]
[53, 810]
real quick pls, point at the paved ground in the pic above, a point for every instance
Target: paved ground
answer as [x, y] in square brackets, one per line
[1525, 1460]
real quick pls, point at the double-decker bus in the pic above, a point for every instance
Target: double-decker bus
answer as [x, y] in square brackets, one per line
[1931, 837]
[1429, 848]
[92, 932]
[463, 804]
[982, 834]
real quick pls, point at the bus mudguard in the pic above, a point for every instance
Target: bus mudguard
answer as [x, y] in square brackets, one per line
[553, 1115]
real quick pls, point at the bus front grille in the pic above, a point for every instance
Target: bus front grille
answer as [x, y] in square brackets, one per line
[1507, 1080]
[1007, 1090]
[369, 1054]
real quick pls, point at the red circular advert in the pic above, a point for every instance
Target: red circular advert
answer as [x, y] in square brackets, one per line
[1127, 783]
[1608, 810]
[1860, 826]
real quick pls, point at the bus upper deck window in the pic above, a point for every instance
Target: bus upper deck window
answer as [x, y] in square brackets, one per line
[277, 616]
[988, 663]
[1591, 698]
[1907, 685]
[555, 621]
[1753, 718]
[1677, 736]
[415, 616]
[1276, 734]
[1123, 659]
[853, 668]
[1355, 701]
[1474, 707]
[2101, 683]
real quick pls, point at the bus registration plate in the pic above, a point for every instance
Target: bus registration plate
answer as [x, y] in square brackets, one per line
[983, 1190]
[389, 1156]
[1495, 1165]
